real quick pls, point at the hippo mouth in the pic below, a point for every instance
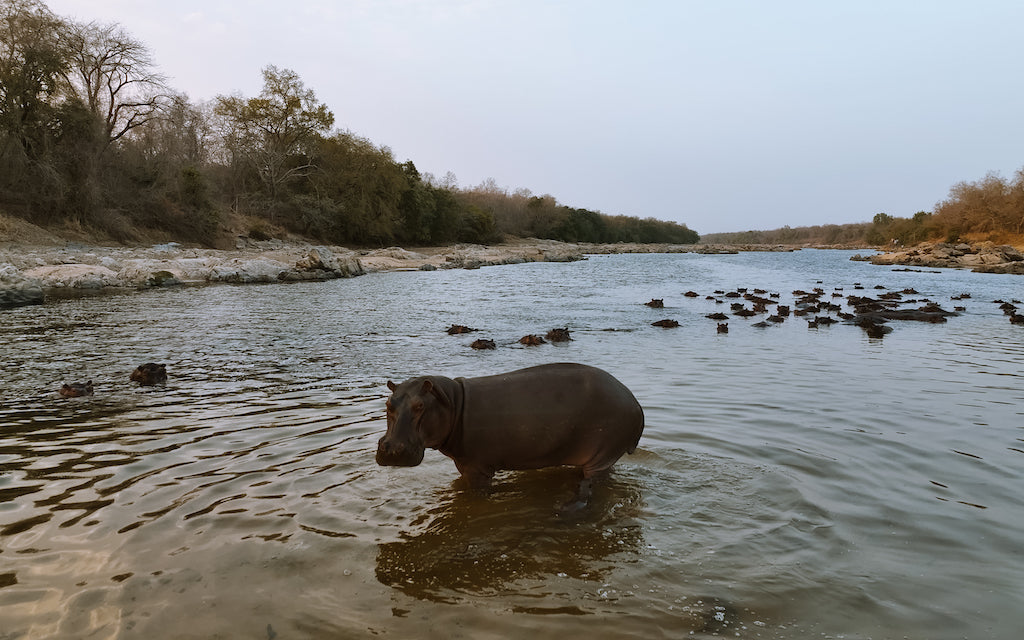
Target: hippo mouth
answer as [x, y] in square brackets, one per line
[392, 455]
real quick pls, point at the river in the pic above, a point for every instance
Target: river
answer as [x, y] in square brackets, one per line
[790, 483]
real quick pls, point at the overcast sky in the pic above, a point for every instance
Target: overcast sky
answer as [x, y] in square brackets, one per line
[724, 115]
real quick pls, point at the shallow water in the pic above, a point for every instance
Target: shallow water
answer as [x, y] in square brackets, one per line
[791, 482]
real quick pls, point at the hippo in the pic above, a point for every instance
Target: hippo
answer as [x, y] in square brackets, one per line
[76, 389]
[457, 329]
[532, 340]
[483, 344]
[656, 303]
[667, 323]
[149, 374]
[549, 415]
[559, 335]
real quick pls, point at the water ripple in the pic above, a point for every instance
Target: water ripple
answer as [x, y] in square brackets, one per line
[790, 482]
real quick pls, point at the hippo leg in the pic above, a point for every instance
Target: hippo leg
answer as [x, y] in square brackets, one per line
[584, 491]
[582, 497]
[477, 479]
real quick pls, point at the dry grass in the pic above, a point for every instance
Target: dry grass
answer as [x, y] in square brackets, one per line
[997, 237]
[16, 230]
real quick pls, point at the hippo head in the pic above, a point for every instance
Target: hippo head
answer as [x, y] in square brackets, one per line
[420, 415]
[150, 373]
[76, 389]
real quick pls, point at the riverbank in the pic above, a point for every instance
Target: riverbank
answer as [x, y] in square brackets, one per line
[32, 269]
[30, 273]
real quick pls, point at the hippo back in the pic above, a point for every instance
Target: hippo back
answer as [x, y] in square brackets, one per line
[549, 415]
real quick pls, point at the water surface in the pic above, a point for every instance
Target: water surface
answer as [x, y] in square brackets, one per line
[791, 482]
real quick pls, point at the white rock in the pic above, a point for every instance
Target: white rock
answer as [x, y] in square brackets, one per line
[245, 271]
[74, 276]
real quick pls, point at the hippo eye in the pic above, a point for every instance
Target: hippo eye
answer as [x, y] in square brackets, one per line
[417, 406]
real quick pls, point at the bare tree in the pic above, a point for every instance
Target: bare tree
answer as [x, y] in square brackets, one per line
[113, 74]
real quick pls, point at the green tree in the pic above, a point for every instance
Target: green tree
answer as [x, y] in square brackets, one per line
[31, 63]
[418, 207]
[275, 134]
[477, 226]
[357, 191]
[31, 66]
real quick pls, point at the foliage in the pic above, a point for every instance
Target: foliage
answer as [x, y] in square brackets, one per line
[522, 214]
[91, 137]
[992, 205]
[31, 66]
[274, 134]
[829, 234]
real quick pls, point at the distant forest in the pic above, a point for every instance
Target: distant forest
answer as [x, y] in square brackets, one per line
[988, 209]
[91, 136]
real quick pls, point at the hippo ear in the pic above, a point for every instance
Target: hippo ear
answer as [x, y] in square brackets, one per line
[428, 387]
[391, 385]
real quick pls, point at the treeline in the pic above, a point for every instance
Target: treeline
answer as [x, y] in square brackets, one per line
[818, 235]
[520, 213]
[992, 206]
[91, 135]
[988, 209]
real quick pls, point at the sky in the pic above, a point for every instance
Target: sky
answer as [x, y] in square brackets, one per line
[723, 115]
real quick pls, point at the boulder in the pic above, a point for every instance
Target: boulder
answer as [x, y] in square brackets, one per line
[242, 271]
[563, 255]
[1010, 254]
[983, 256]
[162, 279]
[149, 273]
[17, 290]
[317, 259]
[397, 253]
[322, 262]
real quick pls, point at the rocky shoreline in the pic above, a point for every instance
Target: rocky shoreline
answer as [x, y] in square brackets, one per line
[30, 274]
[981, 257]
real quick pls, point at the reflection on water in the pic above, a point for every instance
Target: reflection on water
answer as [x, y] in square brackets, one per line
[504, 542]
[791, 482]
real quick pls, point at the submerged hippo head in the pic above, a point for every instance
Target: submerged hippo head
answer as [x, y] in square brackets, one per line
[420, 415]
[76, 389]
[149, 374]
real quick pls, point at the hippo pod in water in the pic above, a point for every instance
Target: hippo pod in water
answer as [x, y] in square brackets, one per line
[544, 416]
